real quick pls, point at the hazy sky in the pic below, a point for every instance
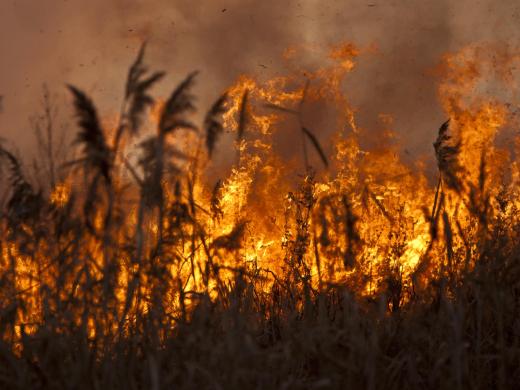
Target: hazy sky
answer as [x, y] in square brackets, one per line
[91, 43]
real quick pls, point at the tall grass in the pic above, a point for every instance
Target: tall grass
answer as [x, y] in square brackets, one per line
[90, 300]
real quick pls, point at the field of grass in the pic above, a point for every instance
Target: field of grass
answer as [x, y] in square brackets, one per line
[127, 268]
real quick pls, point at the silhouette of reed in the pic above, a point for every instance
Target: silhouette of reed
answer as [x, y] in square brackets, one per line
[107, 283]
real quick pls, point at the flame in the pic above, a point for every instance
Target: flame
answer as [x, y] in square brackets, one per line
[61, 193]
[367, 217]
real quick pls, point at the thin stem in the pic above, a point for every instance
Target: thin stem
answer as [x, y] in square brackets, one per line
[436, 196]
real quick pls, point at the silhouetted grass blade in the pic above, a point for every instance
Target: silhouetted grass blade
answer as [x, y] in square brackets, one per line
[177, 106]
[280, 108]
[137, 90]
[316, 145]
[213, 123]
[447, 158]
[242, 120]
[95, 149]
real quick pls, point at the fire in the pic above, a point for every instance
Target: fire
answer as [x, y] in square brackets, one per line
[367, 218]
[60, 194]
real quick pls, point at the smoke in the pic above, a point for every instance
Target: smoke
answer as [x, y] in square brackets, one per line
[91, 44]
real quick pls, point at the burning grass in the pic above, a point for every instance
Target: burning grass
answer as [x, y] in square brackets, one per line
[132, 268]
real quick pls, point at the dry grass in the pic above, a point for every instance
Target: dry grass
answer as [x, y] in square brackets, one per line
[66, 321]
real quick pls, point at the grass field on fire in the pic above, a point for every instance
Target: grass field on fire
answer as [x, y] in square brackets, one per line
[127, 262]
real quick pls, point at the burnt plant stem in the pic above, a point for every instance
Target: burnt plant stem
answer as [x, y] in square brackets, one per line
[304, 151]
[302, 127]
[436, 196]
[50, 141]
[120, 129]
[133, 285]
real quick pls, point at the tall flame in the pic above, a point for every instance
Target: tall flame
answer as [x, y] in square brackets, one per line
[368, 218]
